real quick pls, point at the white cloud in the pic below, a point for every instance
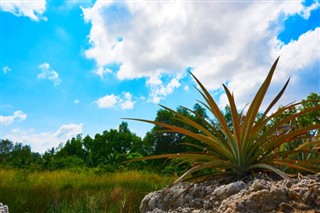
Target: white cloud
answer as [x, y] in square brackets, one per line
[305, 12]
[9, 119]
[68, 131]
[102, 71]
[42, 141]
[49, 74]
[127, 103]
[158, 90]
[107, 101]
[298, 55]
[6, 69]
[123, 101]
[296, 59]
[222, 41]
[77, 101]
[32, 9]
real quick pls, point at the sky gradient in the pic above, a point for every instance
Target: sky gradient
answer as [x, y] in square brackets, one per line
[78, 67]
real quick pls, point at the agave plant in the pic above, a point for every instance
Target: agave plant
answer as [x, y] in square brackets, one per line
[252, 142]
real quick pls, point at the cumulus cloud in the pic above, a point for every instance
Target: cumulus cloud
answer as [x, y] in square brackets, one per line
[100, 71]
[32, 9]
[123, 101]
[127, 102]
[159, 90]
[107, 101]
[47, 73]
[42, 141]
[68, 131]
[6, 69]
[298, 55]
[298, 58]
[9, 119]
[222, 41]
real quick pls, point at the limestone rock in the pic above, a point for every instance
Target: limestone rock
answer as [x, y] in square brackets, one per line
[258, 194]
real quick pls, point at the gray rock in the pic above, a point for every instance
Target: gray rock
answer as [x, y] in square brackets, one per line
[156, 210]
[4, 208]
[252, 195]
[225, 191]
[197, 203]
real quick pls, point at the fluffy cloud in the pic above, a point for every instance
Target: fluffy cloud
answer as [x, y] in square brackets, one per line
[6, 69]
[123, 101]
[222, 41]
[127, 102]
[68, 131]
[42, 141]
[32, 9]
[47, 73]
[159, 90]
[107, 101]
[17, 116]
[298, 55]
[297, 59]
[100, 71]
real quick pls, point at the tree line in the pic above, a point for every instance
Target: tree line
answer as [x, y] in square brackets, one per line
[107, 152]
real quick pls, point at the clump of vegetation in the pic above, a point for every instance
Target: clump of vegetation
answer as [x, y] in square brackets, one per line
[251, 141]
[67, 191]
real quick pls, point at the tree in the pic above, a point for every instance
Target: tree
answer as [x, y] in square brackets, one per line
[22, 156]
[164, 142]
[312, 117]
[47, 158]
[72, 147]
[123, 127]
[6, 147]
[88, 150]
[307, 118]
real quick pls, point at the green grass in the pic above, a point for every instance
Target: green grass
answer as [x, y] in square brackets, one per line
[67, 191]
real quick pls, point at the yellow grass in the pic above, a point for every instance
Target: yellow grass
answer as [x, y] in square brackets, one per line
[67, 191]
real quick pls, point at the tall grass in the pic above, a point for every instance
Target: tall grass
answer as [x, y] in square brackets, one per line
[67, 191]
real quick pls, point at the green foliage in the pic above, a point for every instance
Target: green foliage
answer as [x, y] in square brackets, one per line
[6, 147]
[103, 169]
[176, 167]
[72, 147]
[67, 162]
[312, 117]
[248, 142]
[161, 143]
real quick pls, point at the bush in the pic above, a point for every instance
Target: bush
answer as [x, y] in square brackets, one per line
[252, 141]
[66, 163]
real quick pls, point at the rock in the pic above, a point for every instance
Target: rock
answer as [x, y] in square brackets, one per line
[258, 194]
[225, 191]
[156, 210]
[286, 208]
[4, 208]
[197, 203]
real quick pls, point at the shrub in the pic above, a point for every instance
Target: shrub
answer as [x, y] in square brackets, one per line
[66, 163]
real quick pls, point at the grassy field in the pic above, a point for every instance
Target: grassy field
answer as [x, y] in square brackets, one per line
[66, 191]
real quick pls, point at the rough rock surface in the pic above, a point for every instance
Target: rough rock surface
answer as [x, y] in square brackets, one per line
[4, 208]
[252, 194]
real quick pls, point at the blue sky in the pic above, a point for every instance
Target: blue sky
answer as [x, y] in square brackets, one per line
[78, 67]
